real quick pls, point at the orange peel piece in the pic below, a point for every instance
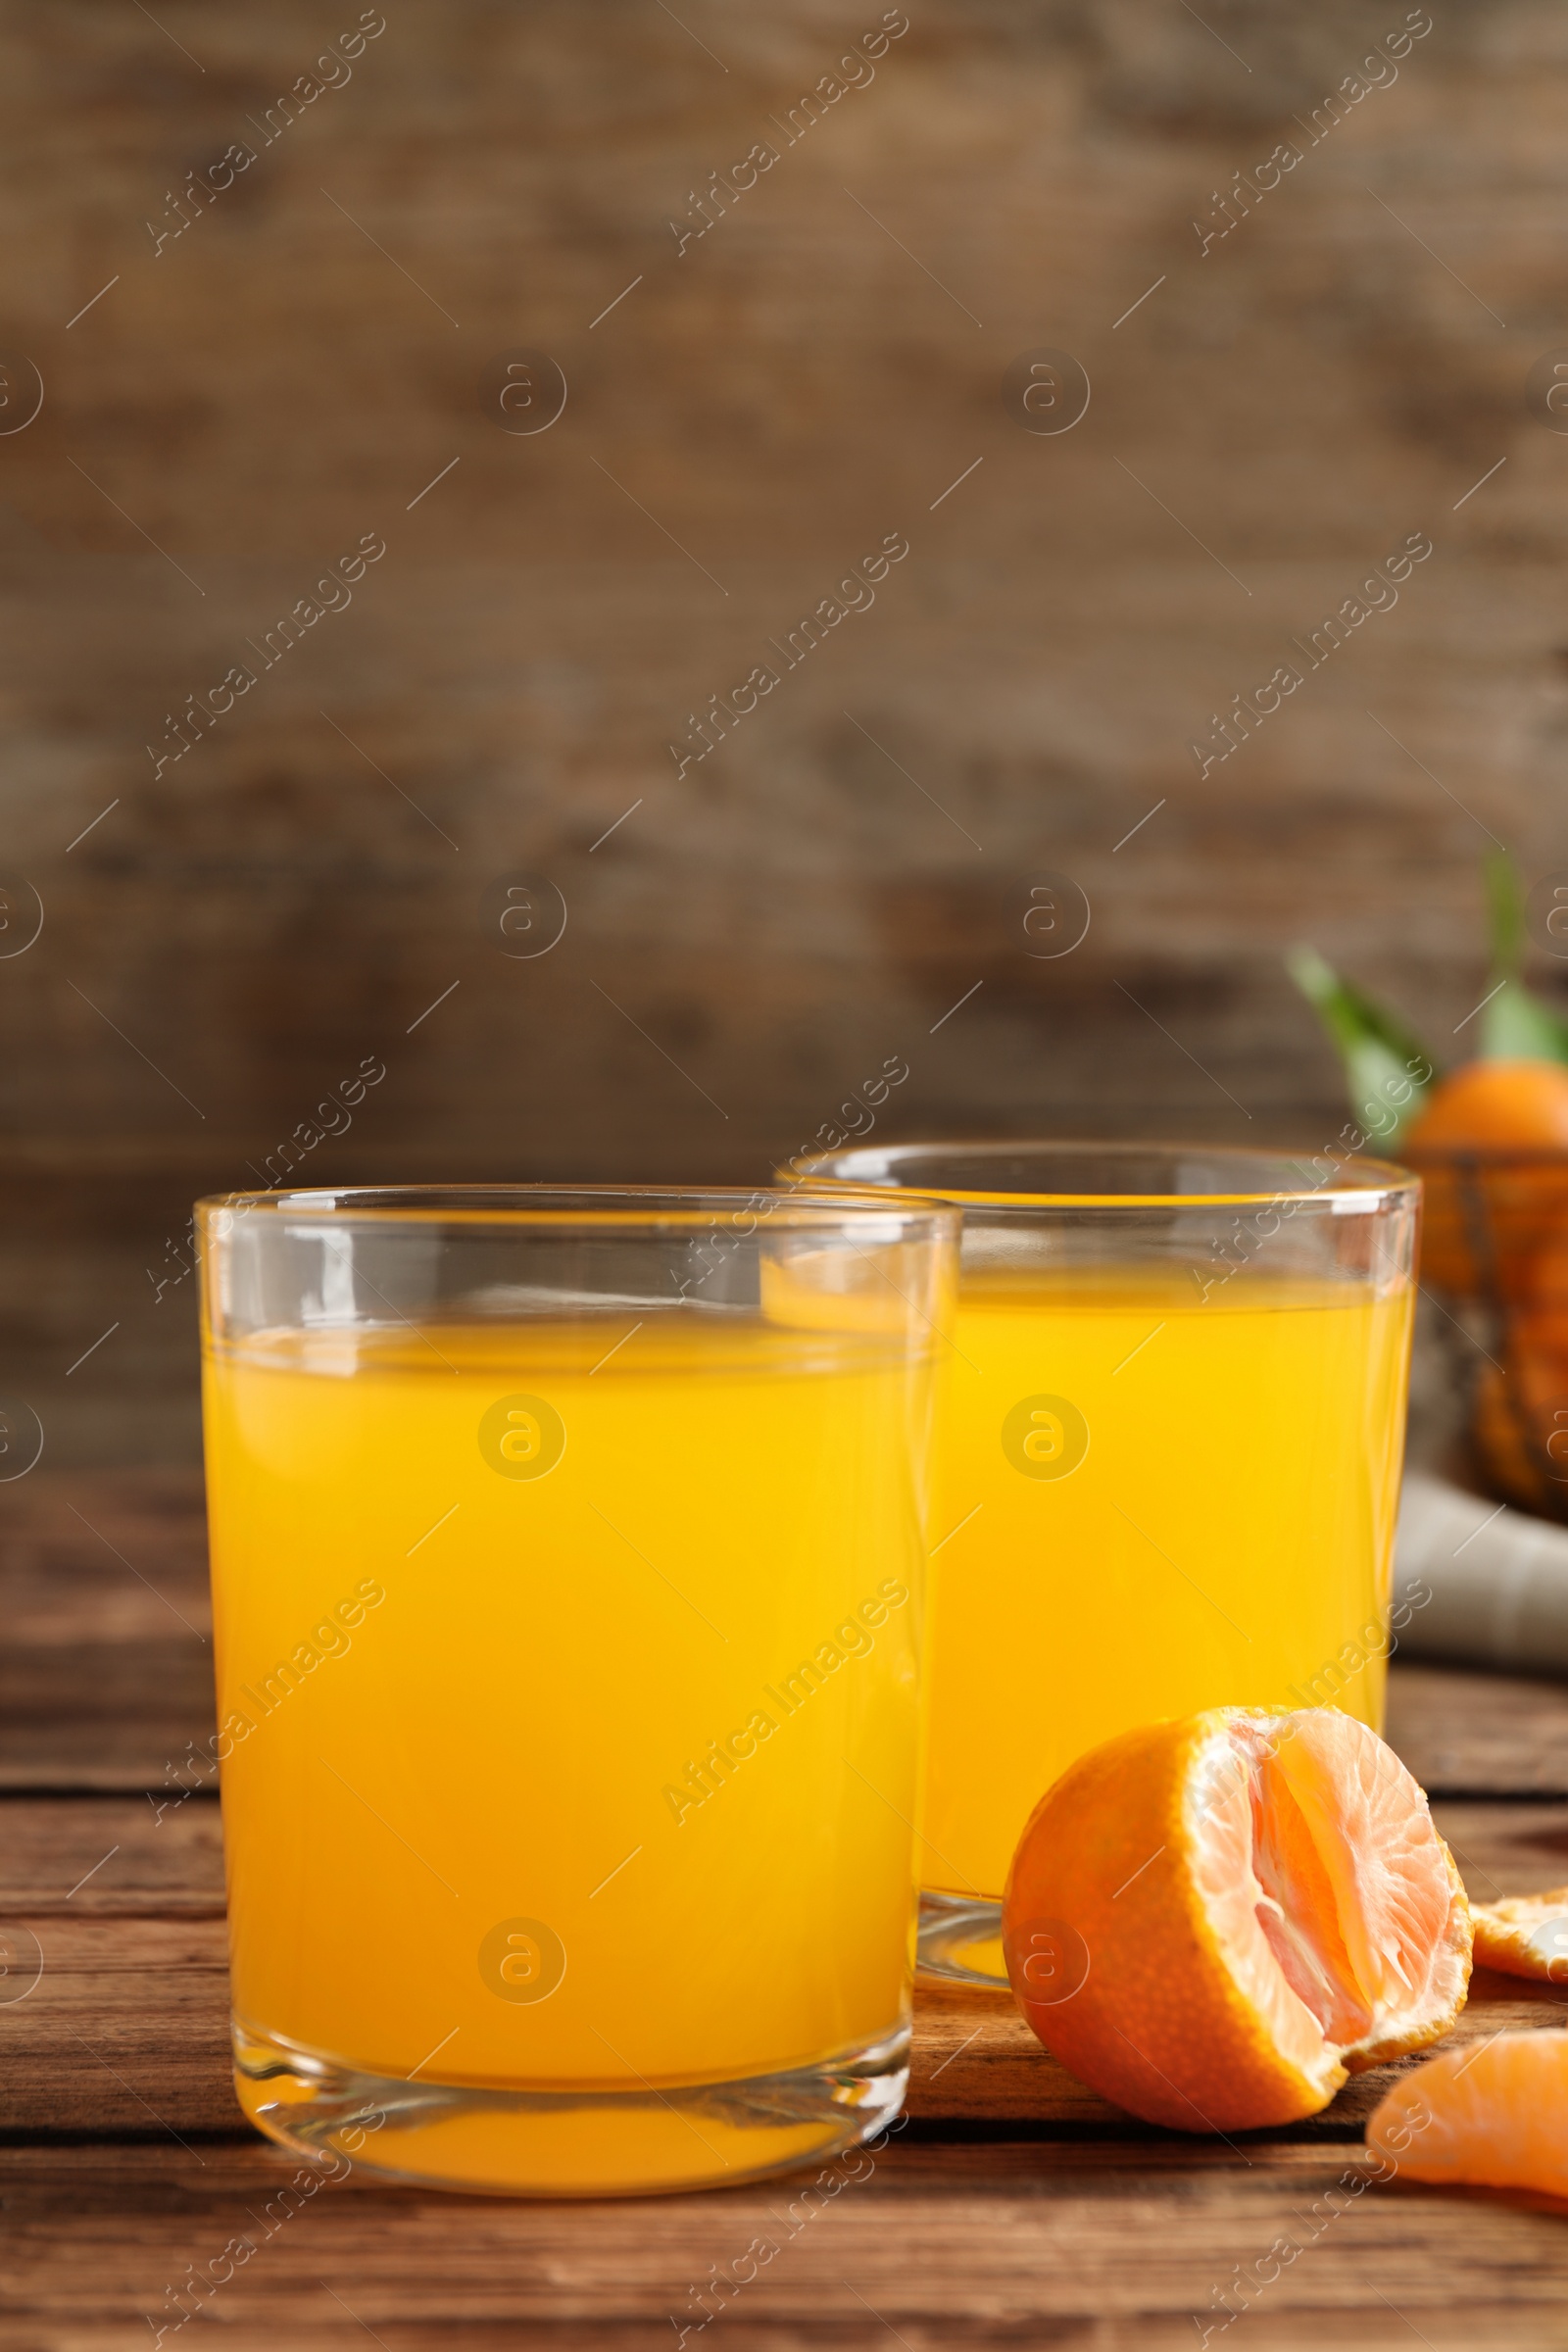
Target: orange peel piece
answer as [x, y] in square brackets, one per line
[1524, 1936]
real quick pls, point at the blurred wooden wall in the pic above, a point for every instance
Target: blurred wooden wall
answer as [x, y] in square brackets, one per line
[315, 361]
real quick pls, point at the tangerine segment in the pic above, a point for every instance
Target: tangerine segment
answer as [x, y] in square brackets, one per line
[1524, 1936]
[1212, 1921]
[1491, 2116]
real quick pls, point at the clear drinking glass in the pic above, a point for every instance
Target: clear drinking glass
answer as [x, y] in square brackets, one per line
[568, 1559]
[1170, 1430]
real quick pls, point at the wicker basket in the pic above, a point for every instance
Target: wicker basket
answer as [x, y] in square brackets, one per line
[1495, 1238]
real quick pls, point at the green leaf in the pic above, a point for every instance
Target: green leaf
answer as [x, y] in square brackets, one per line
[1506, 913]
[1388, 1070]
[1517, 1027]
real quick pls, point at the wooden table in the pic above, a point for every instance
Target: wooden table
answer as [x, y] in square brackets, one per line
[1014, 2209]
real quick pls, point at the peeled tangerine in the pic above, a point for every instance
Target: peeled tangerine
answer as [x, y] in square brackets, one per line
[1214, 1921]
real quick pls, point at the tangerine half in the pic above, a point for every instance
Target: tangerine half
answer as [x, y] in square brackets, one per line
[1212, 1921]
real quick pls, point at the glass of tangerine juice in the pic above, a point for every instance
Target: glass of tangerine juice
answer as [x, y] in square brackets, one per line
[567, 1560]
[1170, 1430]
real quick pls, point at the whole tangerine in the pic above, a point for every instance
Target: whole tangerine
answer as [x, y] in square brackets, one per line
[1485, 1140]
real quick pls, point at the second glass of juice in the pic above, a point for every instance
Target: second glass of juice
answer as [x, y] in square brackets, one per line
[1167, 1471]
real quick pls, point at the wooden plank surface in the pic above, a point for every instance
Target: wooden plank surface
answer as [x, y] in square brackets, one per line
[106, 1678]
[1016, 2206]
[1002, 2243]
[134, 1982]
[1480, 1734]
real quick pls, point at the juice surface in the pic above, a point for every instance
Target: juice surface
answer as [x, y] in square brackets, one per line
[613, 1783]
[1148, 1504]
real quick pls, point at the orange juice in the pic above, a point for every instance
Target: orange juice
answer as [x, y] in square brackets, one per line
[1149, 1502]
[567, 1706]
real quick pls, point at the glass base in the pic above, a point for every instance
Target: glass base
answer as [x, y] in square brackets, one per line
[569, 2144]
[961, 1941]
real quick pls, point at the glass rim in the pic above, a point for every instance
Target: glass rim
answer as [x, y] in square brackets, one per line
[590, 1207]
[1369, 1181]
